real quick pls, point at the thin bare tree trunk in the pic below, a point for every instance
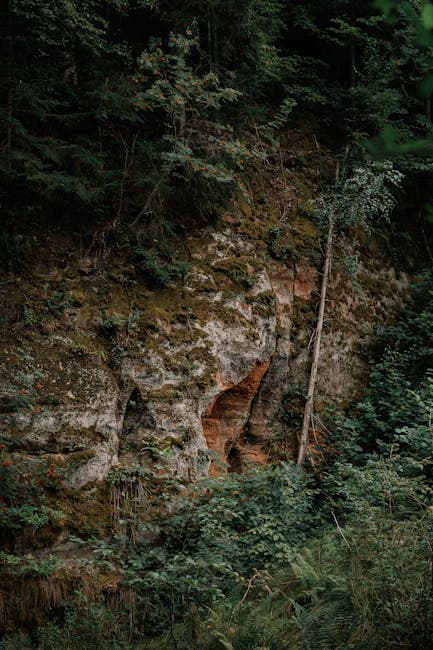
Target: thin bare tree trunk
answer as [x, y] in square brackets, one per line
[352, 59]
[128, 162]
[209, 37]
[352, 74]
[10, 103]
[214, 35]
[308, 409]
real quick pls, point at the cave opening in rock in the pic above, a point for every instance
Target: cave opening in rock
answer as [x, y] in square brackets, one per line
[138, 424]
[234, 461]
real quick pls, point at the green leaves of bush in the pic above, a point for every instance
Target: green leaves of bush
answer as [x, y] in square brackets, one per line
[217, 537]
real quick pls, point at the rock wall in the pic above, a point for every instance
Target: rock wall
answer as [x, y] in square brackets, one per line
[203, 389]
[100, 368]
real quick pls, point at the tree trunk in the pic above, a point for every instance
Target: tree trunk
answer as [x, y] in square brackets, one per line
[308, 410]
[352, 59]
[209, 37]
[214, 36]
[10, 90]
[352, 74]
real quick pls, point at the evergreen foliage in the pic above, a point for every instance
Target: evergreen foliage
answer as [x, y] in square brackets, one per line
[106, 119]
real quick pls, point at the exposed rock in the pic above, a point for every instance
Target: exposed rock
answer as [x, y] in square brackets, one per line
[210, 380]
[201, 368]
[227, 415]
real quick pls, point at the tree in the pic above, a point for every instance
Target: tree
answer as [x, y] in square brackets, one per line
[54, 54]
[368, 195]
[182, 108]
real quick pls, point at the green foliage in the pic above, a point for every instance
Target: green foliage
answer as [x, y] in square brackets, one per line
[107, 121]
[159, 266]
[351, 591]
[184, 107]
[397, 87]
[366, 197]
[86, 625]
[395, 413]
[47, 95]
[240, 37]
[24, 484]
[215, 540]
[28, 565]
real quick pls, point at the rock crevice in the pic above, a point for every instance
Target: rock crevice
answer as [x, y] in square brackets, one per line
[226, 418]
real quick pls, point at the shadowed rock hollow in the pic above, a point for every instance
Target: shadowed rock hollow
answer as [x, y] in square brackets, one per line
[225, 421]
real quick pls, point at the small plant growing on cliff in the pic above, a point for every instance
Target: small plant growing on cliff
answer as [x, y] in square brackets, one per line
[111, 323]
[24, 486]
[59, 301]
[27, 388]
[28, 565]
[120, 331]
[281, 244]
[161, 268]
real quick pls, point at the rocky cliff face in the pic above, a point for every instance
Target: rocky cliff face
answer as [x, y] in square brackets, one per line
[203, 376]
[202, 379]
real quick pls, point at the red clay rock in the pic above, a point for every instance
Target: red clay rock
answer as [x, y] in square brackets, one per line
[224, 422]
